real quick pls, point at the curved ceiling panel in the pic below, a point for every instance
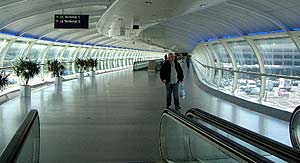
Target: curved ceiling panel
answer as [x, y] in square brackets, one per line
[172, 24]
[235, 18]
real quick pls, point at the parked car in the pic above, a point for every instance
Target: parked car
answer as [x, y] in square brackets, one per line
[296, 82]
[251, 84]
[253, 91]
[283, 92]
[275, 83]
[285, 84]
[243, 85]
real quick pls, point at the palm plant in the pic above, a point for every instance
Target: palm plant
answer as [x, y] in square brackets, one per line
[92, 63]
[56, 67]
[81, 64]
[26, 69]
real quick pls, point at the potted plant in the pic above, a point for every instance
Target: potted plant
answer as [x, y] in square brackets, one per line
[26, 69]
[92, 63]
[3, 80]
[57, 69]
[81, 65]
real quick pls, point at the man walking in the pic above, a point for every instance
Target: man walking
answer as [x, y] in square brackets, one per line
[171, 74]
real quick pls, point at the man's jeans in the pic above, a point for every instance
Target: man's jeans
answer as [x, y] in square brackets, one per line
[172, 88]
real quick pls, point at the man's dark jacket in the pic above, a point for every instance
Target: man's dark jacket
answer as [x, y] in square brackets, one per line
[165, 71]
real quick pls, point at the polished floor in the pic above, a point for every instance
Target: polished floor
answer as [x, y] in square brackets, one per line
[114, 117]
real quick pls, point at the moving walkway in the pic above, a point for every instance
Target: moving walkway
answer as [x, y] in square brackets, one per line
[195, 137]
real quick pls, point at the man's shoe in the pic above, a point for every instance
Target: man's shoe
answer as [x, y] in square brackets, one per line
[177, 107]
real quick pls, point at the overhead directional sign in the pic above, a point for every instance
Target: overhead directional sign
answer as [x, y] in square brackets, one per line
[71, 21]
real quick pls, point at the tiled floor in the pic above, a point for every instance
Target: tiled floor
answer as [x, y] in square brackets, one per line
[115, 117]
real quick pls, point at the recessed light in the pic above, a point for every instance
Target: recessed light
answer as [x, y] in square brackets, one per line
[148, 3]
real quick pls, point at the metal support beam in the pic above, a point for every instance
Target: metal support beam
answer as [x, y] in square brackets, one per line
[75, 53]
[87, 52]
[5, 50]
[261, 64]
[219, 64]
[62, 53]
[234, 65]
[26, 52]
[295, 39]
[43, 59]
[207, 70]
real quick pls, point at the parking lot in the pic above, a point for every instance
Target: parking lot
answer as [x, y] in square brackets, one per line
[288, 100]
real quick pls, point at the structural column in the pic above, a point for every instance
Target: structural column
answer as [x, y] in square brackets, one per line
[210, 62]
[261, 66]
[43, 59]
[219, 65]
[5, 50]
[234, 64]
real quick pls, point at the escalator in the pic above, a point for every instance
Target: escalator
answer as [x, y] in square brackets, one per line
[195, 137]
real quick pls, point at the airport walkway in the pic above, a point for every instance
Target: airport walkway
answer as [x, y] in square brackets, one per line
[115, 117]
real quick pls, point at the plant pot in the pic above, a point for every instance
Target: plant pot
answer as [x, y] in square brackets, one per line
[93, 73]
[25, 90]
[81, 76]
[58, 81]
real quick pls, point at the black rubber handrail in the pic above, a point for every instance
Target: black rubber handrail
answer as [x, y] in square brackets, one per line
[293, 127]
[273, 147]
[12, 150]
[231, 146]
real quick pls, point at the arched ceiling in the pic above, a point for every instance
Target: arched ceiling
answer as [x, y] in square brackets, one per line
[229, 18]
[174, 24]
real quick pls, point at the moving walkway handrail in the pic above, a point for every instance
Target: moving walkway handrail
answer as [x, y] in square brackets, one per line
[294, 127]
[12, 150]
[275, 148]
[231, 146]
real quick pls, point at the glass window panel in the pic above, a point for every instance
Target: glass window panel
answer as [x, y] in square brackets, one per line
[278, 54]
[16, 50]
[210, 52]
[92, 53]
[297, 63]
[54, 52]
[69, 54]
[244, 55]
[224, 57]
[81, 53]
[3, 44]
[36, 52]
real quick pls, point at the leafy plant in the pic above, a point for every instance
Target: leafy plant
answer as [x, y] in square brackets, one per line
[81, 64]
[26, 69]
[56, 67]
[92, 63]
[3, 80]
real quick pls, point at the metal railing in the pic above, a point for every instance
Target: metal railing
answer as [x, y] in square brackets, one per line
[294, 126]
[27, 133]
[250, 73]
[219, 140]
[275, 148]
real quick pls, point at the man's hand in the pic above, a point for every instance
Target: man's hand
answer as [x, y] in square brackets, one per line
[164, 81]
